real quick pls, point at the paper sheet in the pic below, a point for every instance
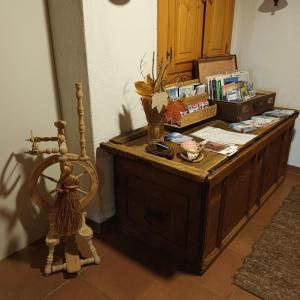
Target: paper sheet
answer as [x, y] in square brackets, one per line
[222, 136]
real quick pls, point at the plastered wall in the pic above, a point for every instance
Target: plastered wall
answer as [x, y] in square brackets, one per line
[28, 101]
[117, 35]
[268, 45]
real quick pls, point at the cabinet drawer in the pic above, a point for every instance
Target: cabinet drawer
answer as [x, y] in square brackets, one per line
[157, 209]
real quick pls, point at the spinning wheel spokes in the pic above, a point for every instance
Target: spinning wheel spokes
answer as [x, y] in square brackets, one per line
[81, 191]
[85, 194]
[49, 178]
[81, 174]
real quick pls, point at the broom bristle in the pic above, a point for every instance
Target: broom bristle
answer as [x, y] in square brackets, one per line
[68, 218]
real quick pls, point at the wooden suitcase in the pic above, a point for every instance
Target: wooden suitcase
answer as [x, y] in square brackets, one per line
[234, 111]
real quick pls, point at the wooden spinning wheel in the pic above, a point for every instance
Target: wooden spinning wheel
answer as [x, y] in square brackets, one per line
[65, 211]
[40, 172]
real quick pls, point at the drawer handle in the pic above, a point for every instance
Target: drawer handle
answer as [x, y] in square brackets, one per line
[155, 216]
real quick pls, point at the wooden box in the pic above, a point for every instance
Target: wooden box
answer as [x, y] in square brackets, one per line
[240, 111]
[234, 111]
[199, 115]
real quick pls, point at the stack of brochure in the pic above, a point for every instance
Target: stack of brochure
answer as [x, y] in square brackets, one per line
[279, 113]
[177, 138]
[254, 123]
[219, 148]
[222, 136]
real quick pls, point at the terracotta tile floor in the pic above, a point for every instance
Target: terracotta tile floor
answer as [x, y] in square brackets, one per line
[131, 270]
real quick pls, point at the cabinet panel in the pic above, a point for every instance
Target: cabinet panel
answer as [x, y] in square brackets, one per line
[218, 27]
[180, 24]
[236, 196]
[161, 211]
[255, 194]
[271, 163]
[186, 30]
[212, 223]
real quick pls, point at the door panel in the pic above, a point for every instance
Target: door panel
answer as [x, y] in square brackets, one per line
[218, 27]
[180, 27]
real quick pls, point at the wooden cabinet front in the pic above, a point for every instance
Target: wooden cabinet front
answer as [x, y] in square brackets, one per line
[180, 35]
[160, 208]
[184, 24]
[218, 27]
[194, 218]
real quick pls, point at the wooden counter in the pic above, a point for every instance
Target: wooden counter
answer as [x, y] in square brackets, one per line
[192, 210]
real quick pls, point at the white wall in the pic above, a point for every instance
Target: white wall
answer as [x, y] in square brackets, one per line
[28, 101]
[269, 46]
[117, 37]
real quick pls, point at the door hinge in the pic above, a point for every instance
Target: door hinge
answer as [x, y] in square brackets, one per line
[226, 48]
[169, 54]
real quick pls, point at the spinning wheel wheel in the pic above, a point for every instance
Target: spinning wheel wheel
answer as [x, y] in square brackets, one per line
[88, 172]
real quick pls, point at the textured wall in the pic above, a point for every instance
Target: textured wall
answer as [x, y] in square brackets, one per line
[269, 46]
[117, 37]
[28, 101]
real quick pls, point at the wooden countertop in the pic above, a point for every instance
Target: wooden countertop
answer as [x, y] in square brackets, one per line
[134, 148]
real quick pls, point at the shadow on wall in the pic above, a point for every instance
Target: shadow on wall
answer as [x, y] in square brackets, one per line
[125, 120]
[104, 166]
[32, 220]
[269, 6]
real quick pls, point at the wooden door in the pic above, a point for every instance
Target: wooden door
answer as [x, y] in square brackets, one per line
[180, 24]
[218, 27]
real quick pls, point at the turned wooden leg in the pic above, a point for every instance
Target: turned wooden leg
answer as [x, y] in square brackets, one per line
[48, 267]
[94, 252]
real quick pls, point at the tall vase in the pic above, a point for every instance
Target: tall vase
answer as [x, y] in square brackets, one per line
[155, 120]
[155, 132]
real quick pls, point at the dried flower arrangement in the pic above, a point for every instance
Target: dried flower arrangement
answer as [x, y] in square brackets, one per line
[157, 106]
[154, 98]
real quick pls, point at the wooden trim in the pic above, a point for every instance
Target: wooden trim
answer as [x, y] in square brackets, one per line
[269, 192]
[293, 169]
[233, 232]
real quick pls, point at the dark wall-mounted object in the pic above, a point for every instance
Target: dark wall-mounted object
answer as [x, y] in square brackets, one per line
[119, 2]
[271, 6]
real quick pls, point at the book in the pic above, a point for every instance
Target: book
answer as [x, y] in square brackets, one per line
[177, 138]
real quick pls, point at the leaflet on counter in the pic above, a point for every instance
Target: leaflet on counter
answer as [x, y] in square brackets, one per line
[222, 136]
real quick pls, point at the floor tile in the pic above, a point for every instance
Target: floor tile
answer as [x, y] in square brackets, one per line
[240, 294]
[218, 277]
[178, 287]
[119, 277]
[244, 241]
[77, 289]
[21, 275]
